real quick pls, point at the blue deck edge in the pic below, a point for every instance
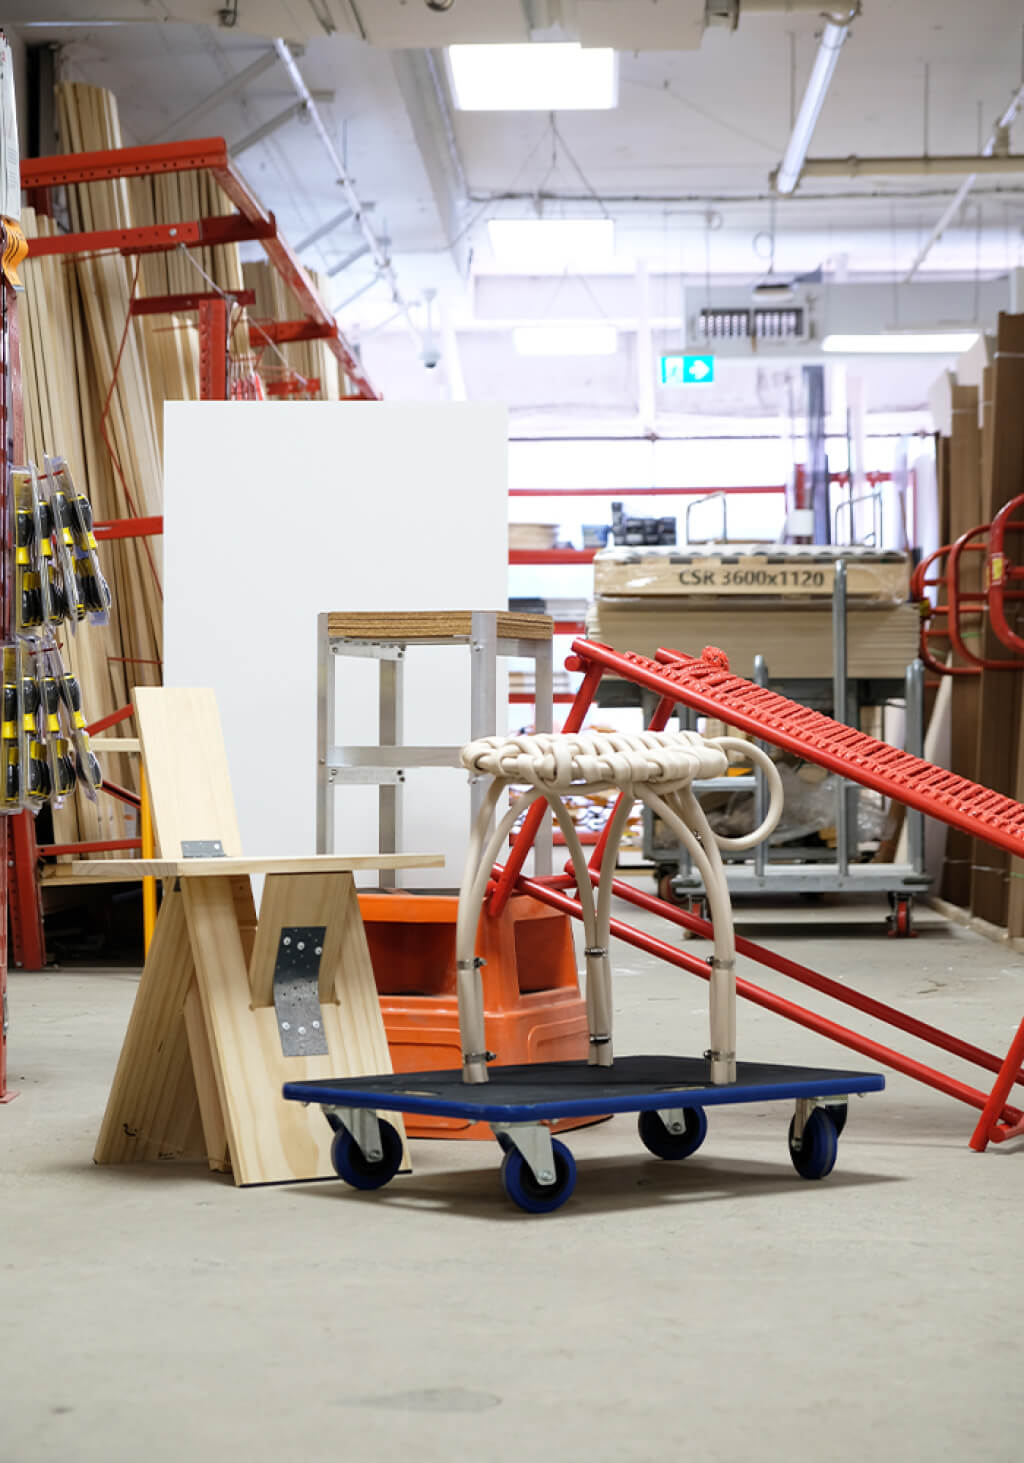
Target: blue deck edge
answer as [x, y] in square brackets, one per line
[582, 1107]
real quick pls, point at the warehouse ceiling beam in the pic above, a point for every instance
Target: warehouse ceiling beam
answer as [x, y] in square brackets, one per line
[375, 245]
[359, 252]
[998, 139]
[426, 103]
[914, 167]
[230, 88]
[275, 123]
[267, 129]
[329, 227]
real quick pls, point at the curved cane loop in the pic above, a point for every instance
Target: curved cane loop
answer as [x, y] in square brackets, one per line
[660, 769]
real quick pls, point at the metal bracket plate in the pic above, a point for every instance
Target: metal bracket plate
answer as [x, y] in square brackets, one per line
[296, 990]
[202, 848]
[533, 1140]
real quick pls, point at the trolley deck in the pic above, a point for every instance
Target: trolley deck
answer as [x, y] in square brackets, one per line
[543, 1091]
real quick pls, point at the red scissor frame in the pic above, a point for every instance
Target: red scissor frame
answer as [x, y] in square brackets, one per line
[694, 681]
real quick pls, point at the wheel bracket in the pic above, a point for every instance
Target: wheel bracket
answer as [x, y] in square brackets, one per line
[533, 1141]
[805, 1106]
[363, 1124]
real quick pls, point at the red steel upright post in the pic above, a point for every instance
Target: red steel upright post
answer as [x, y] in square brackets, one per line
[213, 350]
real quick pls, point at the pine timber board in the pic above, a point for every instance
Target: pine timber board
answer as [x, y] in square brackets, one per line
[186, 769]
[267, 1142]
[115, 870]
[431, 625]
[153, 1098]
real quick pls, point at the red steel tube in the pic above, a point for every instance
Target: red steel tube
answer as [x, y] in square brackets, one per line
[799, 1014]
[104, 845]
[104, 721]
[129, 527]
[524, 839]
[659, 721]
[802, 973]
[636, 492]
[123, 794]
[988, 1122]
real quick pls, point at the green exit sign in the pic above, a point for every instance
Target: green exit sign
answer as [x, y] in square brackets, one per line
[687, 370]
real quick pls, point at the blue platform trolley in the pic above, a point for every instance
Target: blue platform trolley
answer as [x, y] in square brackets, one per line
[670, 1094]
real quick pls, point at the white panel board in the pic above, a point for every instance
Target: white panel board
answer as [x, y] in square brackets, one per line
[277, 511]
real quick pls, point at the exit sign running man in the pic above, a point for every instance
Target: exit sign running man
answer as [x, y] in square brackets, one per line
[687, 370]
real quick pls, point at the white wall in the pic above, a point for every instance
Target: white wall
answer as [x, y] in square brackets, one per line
[277, 511]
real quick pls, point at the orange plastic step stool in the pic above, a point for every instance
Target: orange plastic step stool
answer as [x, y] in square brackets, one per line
[534, 1010]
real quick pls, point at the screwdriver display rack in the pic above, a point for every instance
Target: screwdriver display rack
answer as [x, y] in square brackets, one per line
[314, 321]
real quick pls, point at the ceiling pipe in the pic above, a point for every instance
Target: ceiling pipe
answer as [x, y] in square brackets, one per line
[728, 12]
[787, 174]
[375, 245]
[998, 139]
[900, 167]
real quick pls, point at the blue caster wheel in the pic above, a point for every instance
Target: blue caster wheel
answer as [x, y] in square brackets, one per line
[658, 1140]
[523, 1189]
[352, 1164]
[814, 1156]
[837, 1111]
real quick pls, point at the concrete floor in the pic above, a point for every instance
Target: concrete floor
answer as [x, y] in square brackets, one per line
[719, 1309]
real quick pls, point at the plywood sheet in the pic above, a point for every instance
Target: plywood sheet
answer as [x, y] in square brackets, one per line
[434, 625]
[186, 768]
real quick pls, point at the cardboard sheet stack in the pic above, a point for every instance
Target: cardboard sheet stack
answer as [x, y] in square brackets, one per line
[772, 600]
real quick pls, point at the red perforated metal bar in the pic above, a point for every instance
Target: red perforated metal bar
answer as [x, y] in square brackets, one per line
[709, 687]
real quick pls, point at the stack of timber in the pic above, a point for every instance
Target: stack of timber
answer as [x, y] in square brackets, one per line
[310, 359]
[119, 425]
[981, 468]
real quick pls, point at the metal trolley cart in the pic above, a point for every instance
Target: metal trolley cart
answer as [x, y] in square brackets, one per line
[669, 1093]
[838, 872]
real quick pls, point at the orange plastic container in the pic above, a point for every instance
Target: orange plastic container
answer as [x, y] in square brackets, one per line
[533, 1008]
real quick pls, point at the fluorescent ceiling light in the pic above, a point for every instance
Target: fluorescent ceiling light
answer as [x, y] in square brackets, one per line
[544, 76]
[935, 343]
[788, 174]
[552, 243]
[565, 340]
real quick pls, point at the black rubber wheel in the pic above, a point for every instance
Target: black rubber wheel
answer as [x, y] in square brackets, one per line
[352, 1164]
[657, 1139]
[814, 1157]
[524, 1189]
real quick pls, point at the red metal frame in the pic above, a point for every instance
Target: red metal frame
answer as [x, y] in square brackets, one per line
[253, 221]
[551, 556]
[129, 527]
[179, 304]
[213, 349]
[707, 685]
[287, 332]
